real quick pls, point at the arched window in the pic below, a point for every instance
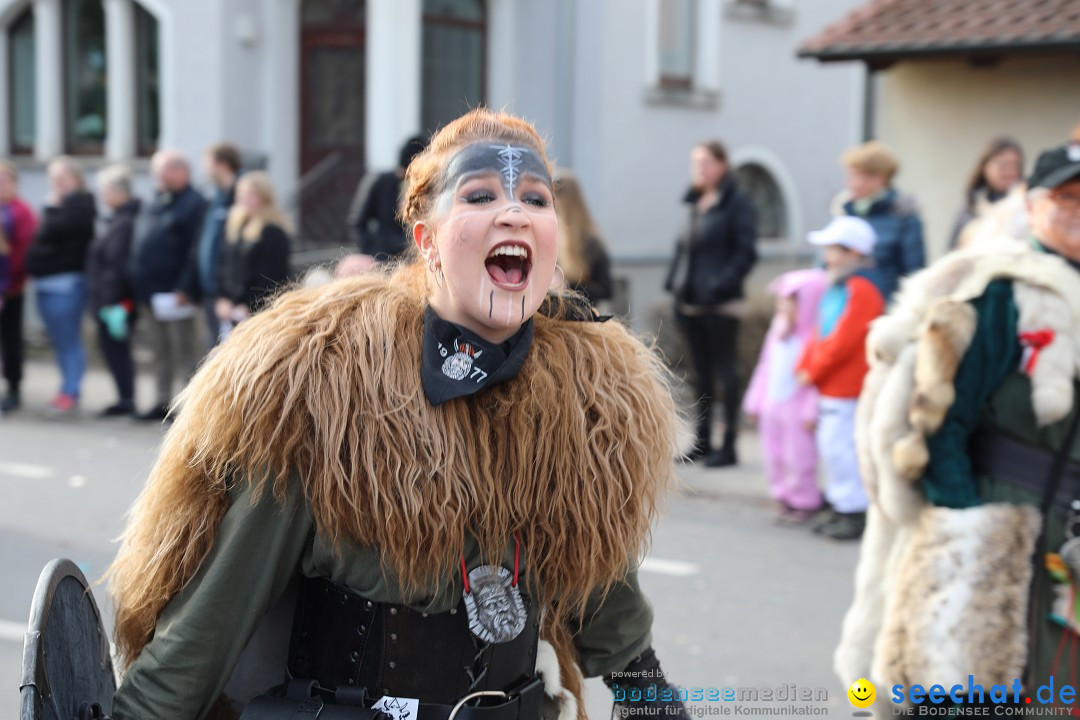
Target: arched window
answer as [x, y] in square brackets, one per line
[85, 73]
[759, 184]
[454, 60]
[23, 95]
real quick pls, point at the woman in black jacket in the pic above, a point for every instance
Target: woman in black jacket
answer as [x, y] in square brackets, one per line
[712, 259]
[583, 258]
[57, 263]
[254, 259]
[109, 293]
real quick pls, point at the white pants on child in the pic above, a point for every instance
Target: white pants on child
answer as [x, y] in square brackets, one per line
[836, 448]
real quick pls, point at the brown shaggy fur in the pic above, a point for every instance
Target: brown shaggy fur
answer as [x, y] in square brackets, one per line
[575, 454]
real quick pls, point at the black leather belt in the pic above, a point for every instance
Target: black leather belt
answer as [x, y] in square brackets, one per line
[1021, 465]
[306, 700]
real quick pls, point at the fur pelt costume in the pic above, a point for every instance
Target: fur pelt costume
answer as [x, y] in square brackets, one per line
[924, 569]
[575, 453]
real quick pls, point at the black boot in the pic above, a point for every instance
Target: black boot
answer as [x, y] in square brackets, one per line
[154, 414]
[725, 456]
[11, 401]
[701, 444]
[845, 526]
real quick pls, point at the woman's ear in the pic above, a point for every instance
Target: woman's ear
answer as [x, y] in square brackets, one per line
[425, 243]
[422, 237]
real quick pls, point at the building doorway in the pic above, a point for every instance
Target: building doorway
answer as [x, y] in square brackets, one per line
[332, 111]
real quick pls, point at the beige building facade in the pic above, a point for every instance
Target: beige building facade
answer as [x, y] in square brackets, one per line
[939, 114]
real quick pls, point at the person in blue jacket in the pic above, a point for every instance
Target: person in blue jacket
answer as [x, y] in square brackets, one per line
[900, 249]
[163, 262]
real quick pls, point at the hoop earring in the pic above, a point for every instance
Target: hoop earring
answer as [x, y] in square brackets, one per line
[436, 272]
[561, 282]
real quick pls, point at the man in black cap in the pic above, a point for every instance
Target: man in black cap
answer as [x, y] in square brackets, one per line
[971, 453]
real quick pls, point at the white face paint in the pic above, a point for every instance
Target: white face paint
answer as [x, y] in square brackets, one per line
[496, 239]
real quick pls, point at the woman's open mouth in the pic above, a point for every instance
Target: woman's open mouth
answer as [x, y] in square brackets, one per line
[508, 265]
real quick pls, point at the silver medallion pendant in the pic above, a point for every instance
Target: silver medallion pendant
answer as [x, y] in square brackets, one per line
[496, 611]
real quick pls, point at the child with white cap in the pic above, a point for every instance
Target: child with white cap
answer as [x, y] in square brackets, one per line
[835, 363]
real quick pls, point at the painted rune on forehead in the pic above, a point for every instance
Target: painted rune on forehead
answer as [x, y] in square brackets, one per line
[511, 158]
[511, 162]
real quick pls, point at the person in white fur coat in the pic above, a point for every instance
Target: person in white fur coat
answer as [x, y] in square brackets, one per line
[970, 398]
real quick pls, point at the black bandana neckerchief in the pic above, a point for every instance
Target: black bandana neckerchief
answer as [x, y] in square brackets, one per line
[457, 362]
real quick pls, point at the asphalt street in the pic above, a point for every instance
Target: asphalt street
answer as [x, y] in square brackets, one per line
[740, 601]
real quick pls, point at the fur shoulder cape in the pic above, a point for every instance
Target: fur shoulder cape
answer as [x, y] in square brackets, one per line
[914, 352]
[575, 453]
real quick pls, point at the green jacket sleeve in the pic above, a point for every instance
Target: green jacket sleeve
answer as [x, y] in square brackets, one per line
[202, 631]
[993, 355]
[615, 629]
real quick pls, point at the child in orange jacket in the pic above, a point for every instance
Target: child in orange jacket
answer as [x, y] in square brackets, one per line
[835, 363]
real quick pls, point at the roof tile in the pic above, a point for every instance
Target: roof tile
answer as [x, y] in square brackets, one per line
[896, 26]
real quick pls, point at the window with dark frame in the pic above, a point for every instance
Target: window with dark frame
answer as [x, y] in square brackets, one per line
[454, 61]
[85, 77]
[676, 46]
[22, 78]
[147, 81]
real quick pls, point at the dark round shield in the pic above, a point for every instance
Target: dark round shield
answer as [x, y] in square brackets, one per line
[67, 667]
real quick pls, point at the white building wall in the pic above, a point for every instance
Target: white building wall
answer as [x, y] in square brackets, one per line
[246, 43]
[230, 71]
[631, 149]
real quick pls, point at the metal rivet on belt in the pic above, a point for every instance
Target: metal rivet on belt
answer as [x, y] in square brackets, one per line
[423, 614]
[453, 611]
[368, 604]
[393, 611]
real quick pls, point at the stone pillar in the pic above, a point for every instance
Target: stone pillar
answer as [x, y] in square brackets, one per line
[502, 53]
[121, 137]
[392, 95]
[49, 61]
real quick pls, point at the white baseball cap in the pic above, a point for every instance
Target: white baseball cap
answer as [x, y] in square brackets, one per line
[849, 231]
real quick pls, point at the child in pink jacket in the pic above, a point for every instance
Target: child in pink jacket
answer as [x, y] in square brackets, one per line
[786, 412]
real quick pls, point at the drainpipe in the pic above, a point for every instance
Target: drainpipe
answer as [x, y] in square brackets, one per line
[869, 104]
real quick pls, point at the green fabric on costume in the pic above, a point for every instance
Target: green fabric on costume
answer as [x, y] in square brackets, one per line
[259, 547]
[993, 356]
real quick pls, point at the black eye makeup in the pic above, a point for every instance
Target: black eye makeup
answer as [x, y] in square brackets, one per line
[479, 197]
[536, 200]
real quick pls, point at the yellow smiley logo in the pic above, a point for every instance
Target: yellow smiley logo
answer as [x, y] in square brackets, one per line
[862, 693]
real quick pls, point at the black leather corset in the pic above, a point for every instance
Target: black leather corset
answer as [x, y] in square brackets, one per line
[343, 640]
